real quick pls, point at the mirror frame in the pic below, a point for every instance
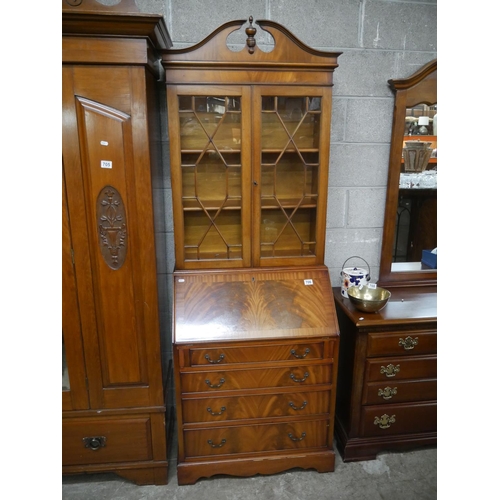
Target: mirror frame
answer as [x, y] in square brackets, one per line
[420, 88]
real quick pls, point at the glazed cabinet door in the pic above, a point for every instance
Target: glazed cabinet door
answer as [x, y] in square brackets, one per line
[290, 158]
[106, 168]
[210, 140]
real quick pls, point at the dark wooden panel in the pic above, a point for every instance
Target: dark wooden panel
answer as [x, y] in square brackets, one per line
[399, 391]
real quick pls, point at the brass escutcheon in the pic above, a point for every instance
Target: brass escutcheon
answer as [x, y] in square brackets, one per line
[207, 357]
[221, 381]
[297, 407]
[302, 436]
[384, 422]
[222, 410]
[390, 370]
[387, 393]
[408, 343]
[211, 443]
[292, 376]
[293, 352]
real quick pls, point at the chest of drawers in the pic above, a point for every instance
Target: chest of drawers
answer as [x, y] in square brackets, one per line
[387, 384]
[255, 362]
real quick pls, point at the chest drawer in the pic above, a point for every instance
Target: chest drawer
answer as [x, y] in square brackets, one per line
[401, 343]
[398, 419]
[385, 392]
[219, 409]
[227, 354]
[106, 440]
[400, 368]
[225, 380]
[219, 441]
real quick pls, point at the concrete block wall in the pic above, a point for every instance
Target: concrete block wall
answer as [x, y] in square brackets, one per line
[380, 39]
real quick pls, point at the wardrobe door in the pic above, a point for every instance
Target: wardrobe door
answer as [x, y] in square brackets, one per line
[106, 162]
[74, 389]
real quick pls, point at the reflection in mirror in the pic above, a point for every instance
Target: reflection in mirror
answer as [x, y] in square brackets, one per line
[415, 236]
[65, 377]
[409, 241]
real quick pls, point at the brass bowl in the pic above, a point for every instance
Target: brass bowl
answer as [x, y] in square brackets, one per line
[368, 300]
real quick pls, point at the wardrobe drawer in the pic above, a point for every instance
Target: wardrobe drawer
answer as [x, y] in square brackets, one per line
[415, 367]
[244, 407]
[401, 343]
[227, 354]
[100, 440]
[398, 419]
[400, 391]
[256, 438]
[225, 380]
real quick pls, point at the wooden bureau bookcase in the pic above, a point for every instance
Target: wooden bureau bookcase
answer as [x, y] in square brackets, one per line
[255, 329]
[387, 385]
[113, 403]
[255, 359]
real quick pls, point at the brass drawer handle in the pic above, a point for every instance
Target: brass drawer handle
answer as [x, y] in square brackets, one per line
[292, 376]
[214, 361]
[390, 370]
[302, 436]
[388, 393]
[408, 343]
[221, 381]
[297, 408]
[211, 443]
[222, 410]
[94, 443]
[293, 352]
[384, 422]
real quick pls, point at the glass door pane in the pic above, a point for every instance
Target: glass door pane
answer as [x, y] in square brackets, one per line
[290, 160]
[211, 173]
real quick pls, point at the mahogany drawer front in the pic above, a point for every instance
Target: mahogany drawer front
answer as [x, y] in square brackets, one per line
[248, 379]
[398, 419]
[402, 343]
[256, 438]
[244, 407]
[386, 392]
[101, 440]
[415, 367]
[256, 353]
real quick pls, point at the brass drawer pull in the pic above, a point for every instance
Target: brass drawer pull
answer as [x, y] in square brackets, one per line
[302, 436]
[298, 408]
[211, 443]
[292, 376]
[94, 443]
[214, 361]
[384, 422]
[387, 393]
[222, 410]
[390, 370]
[300, 356]
[221, 381]
[408, 343]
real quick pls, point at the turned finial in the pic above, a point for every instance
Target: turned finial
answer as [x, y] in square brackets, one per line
[250, 31]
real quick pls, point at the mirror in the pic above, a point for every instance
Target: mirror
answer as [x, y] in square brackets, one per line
[409, 240]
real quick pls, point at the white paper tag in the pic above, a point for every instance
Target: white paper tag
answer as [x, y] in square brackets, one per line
[104, 143]
[106, 164]
[308, 282]
[181, 280]
[372, 285]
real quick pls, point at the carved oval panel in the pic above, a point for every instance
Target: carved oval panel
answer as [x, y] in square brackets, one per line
[112, 227]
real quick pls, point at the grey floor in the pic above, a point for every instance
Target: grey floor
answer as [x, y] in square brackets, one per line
[411, 475]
